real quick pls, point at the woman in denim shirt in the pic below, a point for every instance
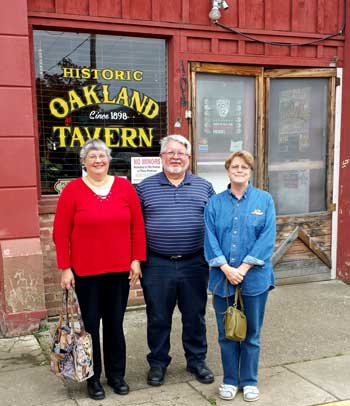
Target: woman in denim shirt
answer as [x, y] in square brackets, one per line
[239, 242]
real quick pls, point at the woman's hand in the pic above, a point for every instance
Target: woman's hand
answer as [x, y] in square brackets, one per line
[67, 279]
[234, 275]
[135, 272]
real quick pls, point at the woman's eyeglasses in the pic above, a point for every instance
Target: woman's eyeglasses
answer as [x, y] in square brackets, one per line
[242, 167]
[101, 157]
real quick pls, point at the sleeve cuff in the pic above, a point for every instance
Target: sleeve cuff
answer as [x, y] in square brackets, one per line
[217, 262]
[253, 261]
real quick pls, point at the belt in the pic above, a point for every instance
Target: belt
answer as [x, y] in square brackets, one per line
[176, 257]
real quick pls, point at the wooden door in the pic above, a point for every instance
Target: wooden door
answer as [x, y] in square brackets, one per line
[299, 149]
[286, 119]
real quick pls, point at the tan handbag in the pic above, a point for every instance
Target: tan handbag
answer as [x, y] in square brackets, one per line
[235, 321]
[71, 350]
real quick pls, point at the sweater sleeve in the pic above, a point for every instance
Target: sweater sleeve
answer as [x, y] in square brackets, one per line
[138, 234]
[62, 227]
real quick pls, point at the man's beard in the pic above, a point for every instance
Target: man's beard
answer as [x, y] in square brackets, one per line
[176, 170]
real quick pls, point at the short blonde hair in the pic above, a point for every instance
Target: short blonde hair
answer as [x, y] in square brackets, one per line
[245, 155]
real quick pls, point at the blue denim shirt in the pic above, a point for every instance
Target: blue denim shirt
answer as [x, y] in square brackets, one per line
[239, 231]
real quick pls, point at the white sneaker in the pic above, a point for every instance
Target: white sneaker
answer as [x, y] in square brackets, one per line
[227, 392]
[251, 393]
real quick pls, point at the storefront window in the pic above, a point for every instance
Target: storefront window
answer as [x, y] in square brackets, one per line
[97, 86]
[297, 144]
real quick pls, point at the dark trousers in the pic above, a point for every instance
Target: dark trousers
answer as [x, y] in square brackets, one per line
[166, 283]
[105, 297]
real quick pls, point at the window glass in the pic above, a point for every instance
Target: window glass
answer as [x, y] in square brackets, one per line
[297, 138]
[97, 86]
[225, 117]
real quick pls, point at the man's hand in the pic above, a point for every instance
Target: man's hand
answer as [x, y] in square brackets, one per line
[135, 272]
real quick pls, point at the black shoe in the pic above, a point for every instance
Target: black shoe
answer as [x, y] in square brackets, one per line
[95, 390]
[202, 372]
[119, 386]
[155, 376]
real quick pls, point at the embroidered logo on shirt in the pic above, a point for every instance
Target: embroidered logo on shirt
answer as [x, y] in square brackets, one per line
[257, 212]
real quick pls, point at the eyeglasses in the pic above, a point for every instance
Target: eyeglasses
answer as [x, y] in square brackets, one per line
[101, 157]
[242, 167]
[171, 154]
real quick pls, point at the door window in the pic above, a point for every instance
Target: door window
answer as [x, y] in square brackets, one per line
[297, 137]
[225, 116]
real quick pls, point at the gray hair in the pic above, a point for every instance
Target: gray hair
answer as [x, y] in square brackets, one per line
[175, 137]
[95, 145]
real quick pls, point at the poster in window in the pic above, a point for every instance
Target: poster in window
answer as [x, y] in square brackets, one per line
[222, 124]
[292, 189]
[294, 120]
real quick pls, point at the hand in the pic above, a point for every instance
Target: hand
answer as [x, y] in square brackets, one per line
[135, 273]
[67, 279]
[234, 275]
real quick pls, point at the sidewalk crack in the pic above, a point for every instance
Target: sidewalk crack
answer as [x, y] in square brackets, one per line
[310, 381]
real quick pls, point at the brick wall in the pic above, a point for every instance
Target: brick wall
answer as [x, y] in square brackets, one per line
[53, 292]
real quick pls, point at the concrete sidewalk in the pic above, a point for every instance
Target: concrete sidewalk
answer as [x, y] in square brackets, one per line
[305, 359]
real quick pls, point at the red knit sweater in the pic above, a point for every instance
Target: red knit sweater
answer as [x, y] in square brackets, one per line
[95, 236]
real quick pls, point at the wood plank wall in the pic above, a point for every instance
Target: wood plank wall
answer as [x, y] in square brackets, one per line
[292, 21]
[312, 16]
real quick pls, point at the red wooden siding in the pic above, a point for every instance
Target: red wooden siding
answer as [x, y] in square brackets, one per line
[42, 5]
[170, 11]
[311, 16]
[109, 8]
[141, 9]
[277, 14]
[251, 14]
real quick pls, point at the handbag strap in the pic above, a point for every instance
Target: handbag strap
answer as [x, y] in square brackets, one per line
[70, 308]
[76, 307]
[238, 296]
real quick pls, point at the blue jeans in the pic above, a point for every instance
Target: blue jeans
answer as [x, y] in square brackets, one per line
[166, 283]
[240, 360]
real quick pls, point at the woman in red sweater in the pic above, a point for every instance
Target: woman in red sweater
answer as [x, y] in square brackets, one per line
[100, 240]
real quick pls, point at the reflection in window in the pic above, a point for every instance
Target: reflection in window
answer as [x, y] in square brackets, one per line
[297, 137]
[97, 86]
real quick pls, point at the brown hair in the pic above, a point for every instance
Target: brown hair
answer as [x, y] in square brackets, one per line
[245, 155]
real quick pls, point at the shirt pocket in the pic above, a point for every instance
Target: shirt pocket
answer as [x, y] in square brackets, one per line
[256, 222]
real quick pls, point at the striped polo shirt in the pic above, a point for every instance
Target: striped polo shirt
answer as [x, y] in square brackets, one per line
[174, 215]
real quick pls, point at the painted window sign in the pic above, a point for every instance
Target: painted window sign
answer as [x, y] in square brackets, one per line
[96, 86]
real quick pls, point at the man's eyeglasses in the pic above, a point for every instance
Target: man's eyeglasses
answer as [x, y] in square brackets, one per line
[171, 154]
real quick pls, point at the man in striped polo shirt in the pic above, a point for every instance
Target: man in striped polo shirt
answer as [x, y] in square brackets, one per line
[176, 272]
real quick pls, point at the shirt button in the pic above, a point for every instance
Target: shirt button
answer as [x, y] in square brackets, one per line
[235, 232]
[236, 218]
[234, 245]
